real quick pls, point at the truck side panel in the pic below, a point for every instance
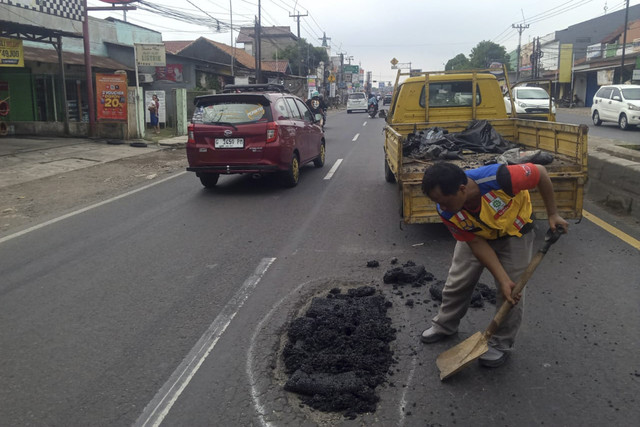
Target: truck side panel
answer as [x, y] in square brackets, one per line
[568, 172]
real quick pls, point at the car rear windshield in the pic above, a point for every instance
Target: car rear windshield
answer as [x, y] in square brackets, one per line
[631, 94]
[532, 94]
[450, 94]
[358, 95]
[235, 112]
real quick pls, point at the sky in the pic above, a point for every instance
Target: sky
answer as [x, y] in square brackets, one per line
[422, 33]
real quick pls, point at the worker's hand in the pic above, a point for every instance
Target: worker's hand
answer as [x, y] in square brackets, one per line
[506, 289]
[556, 220]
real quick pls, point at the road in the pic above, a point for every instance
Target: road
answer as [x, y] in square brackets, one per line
[167, 306]
[606, 130]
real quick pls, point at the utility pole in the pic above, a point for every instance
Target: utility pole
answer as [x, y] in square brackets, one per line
[297, 16]
[258, 39]
[624, 43]
[520, 28]
[349, 58]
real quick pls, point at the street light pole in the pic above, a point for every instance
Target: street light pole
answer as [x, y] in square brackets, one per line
[624, 43]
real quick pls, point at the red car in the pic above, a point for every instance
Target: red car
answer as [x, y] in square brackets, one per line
[256, 129]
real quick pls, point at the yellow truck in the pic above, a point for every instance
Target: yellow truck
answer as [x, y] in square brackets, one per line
[449, 106]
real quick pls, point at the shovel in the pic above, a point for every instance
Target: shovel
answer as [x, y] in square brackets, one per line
[457, 358]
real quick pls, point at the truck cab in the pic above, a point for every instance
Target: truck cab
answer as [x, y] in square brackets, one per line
[451, 97]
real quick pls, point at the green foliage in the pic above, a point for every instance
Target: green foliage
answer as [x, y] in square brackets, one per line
[459, 62]
[303, 57]
[480, 57]
[487, 52]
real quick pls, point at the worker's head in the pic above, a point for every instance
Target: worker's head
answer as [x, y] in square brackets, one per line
[446, 184]
[315, 93]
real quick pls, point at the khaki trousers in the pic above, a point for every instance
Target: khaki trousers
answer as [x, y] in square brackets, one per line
[514, 253]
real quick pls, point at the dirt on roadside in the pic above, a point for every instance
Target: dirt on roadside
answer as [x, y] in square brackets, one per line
[30, 203]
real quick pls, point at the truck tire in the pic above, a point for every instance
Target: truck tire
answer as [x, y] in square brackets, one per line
[388, 175]
[209, 180]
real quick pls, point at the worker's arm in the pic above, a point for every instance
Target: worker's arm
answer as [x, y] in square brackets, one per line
[488, 257]
[545, 187]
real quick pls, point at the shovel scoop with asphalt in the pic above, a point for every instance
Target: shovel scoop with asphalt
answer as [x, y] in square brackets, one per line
[457, 358]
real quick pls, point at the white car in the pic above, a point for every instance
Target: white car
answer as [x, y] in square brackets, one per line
[617, 103]
[357, 101]
[529, 102]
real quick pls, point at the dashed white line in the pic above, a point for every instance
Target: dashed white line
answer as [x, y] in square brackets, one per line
[364, 124]
[355, 138]
[333, 169]
[155, 412]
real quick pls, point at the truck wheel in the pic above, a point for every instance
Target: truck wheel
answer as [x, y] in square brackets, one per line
[388, 175]
[623, 122]
[596, 118]
[319, 161]
[209, 180]
[292, 175]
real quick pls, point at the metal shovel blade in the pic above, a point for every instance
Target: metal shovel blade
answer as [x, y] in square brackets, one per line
[457, 358]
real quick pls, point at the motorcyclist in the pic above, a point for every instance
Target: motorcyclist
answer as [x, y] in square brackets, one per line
[373, 101]
[317, 105]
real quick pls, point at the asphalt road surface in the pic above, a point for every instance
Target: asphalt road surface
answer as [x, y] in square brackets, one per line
[167, 307]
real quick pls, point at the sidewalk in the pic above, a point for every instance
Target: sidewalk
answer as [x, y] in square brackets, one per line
[24, 159]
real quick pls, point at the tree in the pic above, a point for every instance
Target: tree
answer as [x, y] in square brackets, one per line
[459, 62]
[303, 57]
[487, 52]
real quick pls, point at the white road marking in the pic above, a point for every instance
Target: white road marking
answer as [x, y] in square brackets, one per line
[355, 138]
[155, 412]
[333, 169]
[364, 124]
[88, 208]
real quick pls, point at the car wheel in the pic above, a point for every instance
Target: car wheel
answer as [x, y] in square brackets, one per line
[596, 118]
[348, 111]
[209, 180]
[388, 175]
[292, 175]
[623, 122]
[319, 161]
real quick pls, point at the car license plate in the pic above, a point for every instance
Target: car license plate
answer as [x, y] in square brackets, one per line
[229, 143]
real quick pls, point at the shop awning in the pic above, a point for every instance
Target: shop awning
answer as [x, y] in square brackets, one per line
[51, 56]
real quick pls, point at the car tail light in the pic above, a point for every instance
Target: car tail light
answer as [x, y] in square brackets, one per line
[272, 131]
[190, 138]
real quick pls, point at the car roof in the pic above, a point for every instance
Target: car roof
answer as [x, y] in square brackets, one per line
[622, 86]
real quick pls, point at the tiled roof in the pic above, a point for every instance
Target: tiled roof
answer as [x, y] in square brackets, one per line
[247, 34]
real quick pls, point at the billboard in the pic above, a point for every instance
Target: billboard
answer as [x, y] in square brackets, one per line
[566, 63]
[60, 15]
[111, 94]
[11, 53]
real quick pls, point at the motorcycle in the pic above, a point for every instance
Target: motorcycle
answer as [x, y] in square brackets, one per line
[373, 110]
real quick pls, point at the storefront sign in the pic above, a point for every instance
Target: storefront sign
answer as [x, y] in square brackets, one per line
[152, 55]
[11, 53]
[172, 73]
[111, 90]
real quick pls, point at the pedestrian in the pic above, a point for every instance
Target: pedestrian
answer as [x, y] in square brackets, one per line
[317, 106]
[154, 108]
[488, 211]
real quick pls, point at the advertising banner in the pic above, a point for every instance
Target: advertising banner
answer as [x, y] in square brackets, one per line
[111, 91]
[152, 55]
[11, 53]
[566, 63]
[172, 73]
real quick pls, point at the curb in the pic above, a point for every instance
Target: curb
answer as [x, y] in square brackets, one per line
[614, 180]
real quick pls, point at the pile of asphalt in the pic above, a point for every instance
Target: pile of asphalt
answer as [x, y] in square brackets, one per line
[339, 352]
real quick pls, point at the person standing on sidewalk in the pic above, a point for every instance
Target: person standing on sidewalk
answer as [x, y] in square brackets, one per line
[154, 108]
[488, 210]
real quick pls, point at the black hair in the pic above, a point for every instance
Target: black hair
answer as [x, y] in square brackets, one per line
[448, 176]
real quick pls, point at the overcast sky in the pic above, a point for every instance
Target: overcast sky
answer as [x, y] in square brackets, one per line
[425, 33]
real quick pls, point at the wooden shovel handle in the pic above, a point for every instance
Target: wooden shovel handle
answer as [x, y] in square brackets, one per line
[550, 238]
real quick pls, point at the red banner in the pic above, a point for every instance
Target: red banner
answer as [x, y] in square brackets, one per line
[111, 91]
[172, 72]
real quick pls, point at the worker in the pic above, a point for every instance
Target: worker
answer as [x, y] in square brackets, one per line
[488, 210]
